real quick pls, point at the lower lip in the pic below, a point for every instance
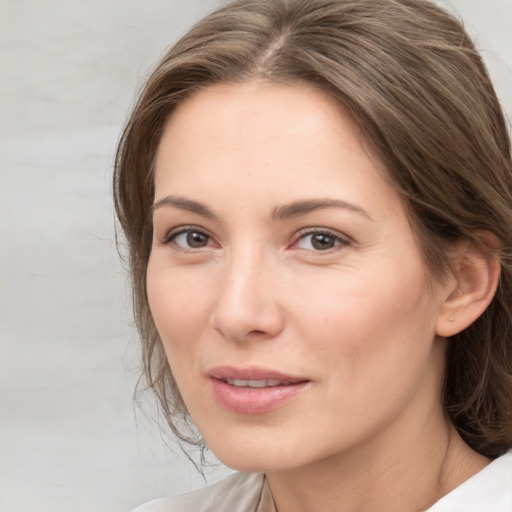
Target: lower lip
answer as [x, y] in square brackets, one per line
[245, 400]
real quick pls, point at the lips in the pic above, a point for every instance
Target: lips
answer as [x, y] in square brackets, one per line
[263, 383]
[253, 390]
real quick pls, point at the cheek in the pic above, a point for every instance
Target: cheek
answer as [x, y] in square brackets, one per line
[180, 307]
[371, 351]
[366, 327]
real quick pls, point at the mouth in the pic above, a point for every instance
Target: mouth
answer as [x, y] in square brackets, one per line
[253, 391]
[262, 383]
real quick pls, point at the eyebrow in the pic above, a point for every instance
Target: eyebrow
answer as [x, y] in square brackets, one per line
[291, 210]
[298, 208]
[184, 204]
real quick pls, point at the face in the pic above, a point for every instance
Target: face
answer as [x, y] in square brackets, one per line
[285, 281]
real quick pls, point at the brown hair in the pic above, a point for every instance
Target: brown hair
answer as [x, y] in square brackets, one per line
[413, 81]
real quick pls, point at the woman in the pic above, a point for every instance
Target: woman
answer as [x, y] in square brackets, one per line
[317, 200]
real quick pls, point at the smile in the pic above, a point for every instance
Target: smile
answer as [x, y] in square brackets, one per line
[253, 391]
[263, 383]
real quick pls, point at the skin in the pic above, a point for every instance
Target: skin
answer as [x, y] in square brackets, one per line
[358, 318]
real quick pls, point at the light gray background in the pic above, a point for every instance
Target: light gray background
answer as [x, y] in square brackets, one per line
[69, 72]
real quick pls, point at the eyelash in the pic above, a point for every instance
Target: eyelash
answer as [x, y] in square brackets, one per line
[339, 240]
[170, 238]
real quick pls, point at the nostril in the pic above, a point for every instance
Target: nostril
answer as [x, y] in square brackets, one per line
[240, 314]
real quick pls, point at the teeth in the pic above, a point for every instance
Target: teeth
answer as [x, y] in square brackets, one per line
[264, 383]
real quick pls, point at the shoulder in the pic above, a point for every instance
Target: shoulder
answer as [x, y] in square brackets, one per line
[490, 490]
[239, 492]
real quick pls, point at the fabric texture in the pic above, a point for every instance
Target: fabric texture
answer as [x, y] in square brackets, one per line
[490, 490]
[240, 492]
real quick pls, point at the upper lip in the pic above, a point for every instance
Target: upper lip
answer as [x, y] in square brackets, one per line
[252, 373]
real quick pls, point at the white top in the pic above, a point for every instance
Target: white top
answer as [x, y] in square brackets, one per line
[490, 490]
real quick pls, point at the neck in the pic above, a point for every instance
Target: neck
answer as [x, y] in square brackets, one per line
[410, 477]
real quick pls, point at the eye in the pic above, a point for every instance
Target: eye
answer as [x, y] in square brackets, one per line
[189, 239]
[320, 241]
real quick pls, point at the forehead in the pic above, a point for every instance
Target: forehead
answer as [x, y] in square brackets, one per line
[261, 116]
[266, 141]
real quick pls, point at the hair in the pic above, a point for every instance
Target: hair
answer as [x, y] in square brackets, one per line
[413, 81]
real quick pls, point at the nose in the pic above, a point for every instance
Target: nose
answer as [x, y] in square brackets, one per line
[247, 305]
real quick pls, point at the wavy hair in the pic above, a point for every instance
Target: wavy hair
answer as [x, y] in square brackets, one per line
[411, 78]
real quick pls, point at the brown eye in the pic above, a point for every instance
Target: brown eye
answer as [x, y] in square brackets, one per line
[196, 239]
[320, 241]
[190, 239]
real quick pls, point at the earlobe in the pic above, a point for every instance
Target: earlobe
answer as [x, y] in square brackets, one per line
[476, 282]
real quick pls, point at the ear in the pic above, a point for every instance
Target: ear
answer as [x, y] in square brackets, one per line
[473, 286]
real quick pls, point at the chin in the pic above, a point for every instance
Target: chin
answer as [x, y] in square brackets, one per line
[260, 463]
[258, 454]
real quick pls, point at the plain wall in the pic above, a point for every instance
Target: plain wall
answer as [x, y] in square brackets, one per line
[69, 438]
